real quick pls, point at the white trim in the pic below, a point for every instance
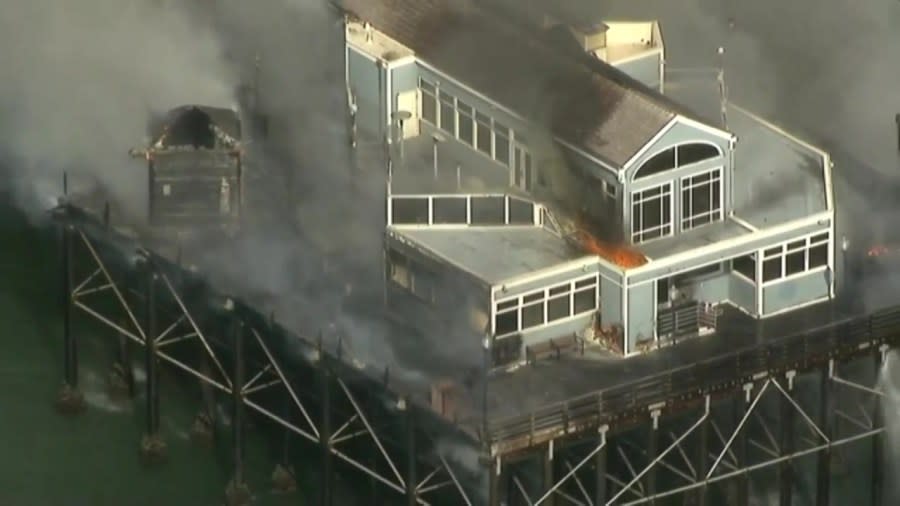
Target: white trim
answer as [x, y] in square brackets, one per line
[795, 276]
[703, 127]
[742, 222]
[688, 269]
[362, 52]
[655, 313]
[545, 300]
[514, 115]
[740, 275]
[758, 282]
[667, 186]
[584, 262]
[807, 245]
[401, 62]
[389, 91]
[653, 140]
[796, 307]
[828, 166]
[545, 288]
[626, 345]
[778, 129]
[688, 168]
[733, 242]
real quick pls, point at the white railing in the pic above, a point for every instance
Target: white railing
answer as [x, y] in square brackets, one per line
[463, 210]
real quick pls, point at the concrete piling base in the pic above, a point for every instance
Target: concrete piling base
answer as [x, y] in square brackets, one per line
[153, 449]
[202, 430]
[237, 494]
[283, 481]
[118, 384]
[70, 401]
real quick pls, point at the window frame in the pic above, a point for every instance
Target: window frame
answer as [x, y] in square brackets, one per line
[667, 227]
[687, 188]
[542, 297]
[779, 254]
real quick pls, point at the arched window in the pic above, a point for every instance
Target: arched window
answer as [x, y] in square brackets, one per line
[677, 156]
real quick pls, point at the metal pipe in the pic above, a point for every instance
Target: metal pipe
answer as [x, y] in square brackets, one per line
[150, 360]
[652, 450]
[786, 468]
[411, 489]
[325, 446]
[823, 466]
[877, 442]
[237, 398]
[70, 345]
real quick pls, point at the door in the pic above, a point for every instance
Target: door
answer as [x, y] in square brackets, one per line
[522, 168]
[409, 101]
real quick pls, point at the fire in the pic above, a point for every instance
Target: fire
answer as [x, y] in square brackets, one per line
[621, 255]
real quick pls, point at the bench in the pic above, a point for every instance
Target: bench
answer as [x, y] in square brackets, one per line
[553, 348]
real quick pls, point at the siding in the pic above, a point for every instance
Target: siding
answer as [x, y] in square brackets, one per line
[743, 294]
[793, 292]
[366, 81]
[610, 302]
[640, 314]
[713, 288]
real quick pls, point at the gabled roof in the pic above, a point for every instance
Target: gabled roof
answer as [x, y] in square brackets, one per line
[582, 100]
[226, 120]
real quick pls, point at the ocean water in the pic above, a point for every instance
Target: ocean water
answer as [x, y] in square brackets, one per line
[92, 459]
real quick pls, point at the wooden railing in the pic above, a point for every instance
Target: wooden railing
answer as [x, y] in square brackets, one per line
[799, 351]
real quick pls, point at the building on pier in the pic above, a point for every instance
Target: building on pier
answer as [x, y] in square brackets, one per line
[574, 202]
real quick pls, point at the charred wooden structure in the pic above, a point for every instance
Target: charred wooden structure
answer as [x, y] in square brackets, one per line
[194, 169]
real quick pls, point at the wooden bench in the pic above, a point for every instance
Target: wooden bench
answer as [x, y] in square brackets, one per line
[553, 348]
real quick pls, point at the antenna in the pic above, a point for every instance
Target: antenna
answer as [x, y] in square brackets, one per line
[723, 95]
[65, 183]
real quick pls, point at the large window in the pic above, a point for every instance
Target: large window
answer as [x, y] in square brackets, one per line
[462, 121]
[701, 199]
[795, 257]
[546, 306]
[651, 213]
[678, 156]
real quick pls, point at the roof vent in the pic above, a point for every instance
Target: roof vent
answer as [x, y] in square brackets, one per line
[591, 37]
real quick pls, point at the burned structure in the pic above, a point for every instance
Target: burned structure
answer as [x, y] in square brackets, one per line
[584, 205]
[194, 168]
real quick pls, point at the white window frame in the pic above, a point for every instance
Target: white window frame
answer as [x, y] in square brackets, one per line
[665, 188]
[686, 188]
[741, 275]
[545, 300]
[821, 238]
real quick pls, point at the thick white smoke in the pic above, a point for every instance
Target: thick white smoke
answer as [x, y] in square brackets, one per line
[80, 80]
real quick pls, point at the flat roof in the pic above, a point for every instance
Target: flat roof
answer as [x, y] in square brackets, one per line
[584, 101]
[493, 254]
[692, 239]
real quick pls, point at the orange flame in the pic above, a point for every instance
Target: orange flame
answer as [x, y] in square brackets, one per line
[621, 255]
[878, 250]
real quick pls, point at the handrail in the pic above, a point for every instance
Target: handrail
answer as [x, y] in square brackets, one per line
[712, 373]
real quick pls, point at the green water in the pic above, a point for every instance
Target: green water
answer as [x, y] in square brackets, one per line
[92, 458]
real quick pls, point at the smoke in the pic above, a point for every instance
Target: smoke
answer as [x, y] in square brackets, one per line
[80, 81]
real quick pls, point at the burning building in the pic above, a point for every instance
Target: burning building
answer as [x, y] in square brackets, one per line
[195, 177]
[573, 202]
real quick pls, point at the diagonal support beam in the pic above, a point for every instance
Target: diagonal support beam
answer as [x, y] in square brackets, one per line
[662, 454]
[806, 417]
[738, 428]
[459, 487]
[196, 328]
[362, 418]
[572, 472]
[115, 289]
[584, 492]
[287, 384]
[857, 386]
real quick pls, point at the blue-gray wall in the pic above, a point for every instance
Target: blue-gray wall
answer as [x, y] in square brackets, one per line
[641, 302]
[368, 82]
[610, 302]
[794, 291]
[743, 294]
[645, 69]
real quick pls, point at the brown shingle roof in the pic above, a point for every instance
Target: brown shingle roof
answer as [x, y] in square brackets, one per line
[583, 101]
